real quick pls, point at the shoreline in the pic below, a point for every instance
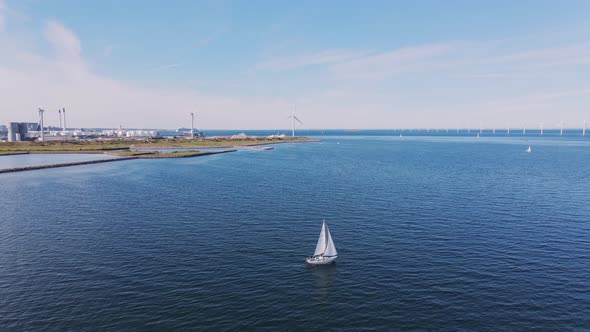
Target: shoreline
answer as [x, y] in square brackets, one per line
[120, 158]
[228, 146]
[128, 150]
[98, 146]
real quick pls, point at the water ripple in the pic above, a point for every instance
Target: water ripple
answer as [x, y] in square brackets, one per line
[432, 235]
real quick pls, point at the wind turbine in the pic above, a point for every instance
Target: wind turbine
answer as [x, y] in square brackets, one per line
[192, 125]
[584, 129]
[41, 123]
[541, 128]
[294, 118]
[561, 128]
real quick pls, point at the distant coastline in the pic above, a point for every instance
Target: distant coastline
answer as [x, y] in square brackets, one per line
[96, 145]
[133, 149]
[154, 155]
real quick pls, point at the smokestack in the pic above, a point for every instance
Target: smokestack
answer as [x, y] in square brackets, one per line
[65, 127]
[60, 119]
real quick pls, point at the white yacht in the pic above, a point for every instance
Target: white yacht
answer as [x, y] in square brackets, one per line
[325, 251]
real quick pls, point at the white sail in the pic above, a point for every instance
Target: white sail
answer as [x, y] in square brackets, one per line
[321, 246]
[330, 248]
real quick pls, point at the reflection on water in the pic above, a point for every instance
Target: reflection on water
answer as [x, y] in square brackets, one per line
[324, 276]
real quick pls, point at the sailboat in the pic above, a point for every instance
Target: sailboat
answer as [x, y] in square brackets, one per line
[529, 150]
[325, 251]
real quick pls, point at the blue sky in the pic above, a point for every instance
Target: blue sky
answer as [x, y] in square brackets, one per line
[345, 64]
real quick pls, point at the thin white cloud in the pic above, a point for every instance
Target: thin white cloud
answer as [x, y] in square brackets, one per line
[384, 64]
[204, 41]
[543, 97]
[284, 63]
[63, 40]
[107, 51]
[573, 54]
[532, 108]
[2, 15]
[32, 79]
[164, 67]
[488, 75]
[424, 85]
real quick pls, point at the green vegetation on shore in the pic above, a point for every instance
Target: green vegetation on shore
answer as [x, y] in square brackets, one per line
[97, 146]
[156, 154]
[217, 142]
[65, 146]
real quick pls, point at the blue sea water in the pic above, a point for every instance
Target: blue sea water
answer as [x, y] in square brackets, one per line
[433, 233]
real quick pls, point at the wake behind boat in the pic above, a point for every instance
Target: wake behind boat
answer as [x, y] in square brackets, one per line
[325, 251]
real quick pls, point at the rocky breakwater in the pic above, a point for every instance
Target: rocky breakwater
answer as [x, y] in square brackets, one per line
[75, 163]
[145, 155]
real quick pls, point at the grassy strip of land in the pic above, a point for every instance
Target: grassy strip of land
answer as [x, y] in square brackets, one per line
[218, 142]
[157, 154]
[89, 146]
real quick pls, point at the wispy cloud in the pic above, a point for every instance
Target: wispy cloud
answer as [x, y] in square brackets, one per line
[32, 79]
[107, 51]
[551, 95]
[430, 84]
[326, 57]
[393, 61]
[2, 15]
[573, 54]
[549, 100]
[204, 41]
[488, 75]
[168, 66]
[63, 40]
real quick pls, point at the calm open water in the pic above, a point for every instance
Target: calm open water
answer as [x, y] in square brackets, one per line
[432, 233]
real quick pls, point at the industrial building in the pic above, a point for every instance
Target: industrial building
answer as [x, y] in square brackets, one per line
[18, 131]
[23, 131]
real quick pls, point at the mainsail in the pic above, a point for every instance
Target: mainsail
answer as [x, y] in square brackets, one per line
[325, 246]
[330, 248]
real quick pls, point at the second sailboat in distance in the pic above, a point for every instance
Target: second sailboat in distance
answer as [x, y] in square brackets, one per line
[325, 251]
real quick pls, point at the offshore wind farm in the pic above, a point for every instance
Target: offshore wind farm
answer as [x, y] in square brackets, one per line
[31, 131]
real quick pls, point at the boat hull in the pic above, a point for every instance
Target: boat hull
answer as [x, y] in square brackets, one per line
[320, 260]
